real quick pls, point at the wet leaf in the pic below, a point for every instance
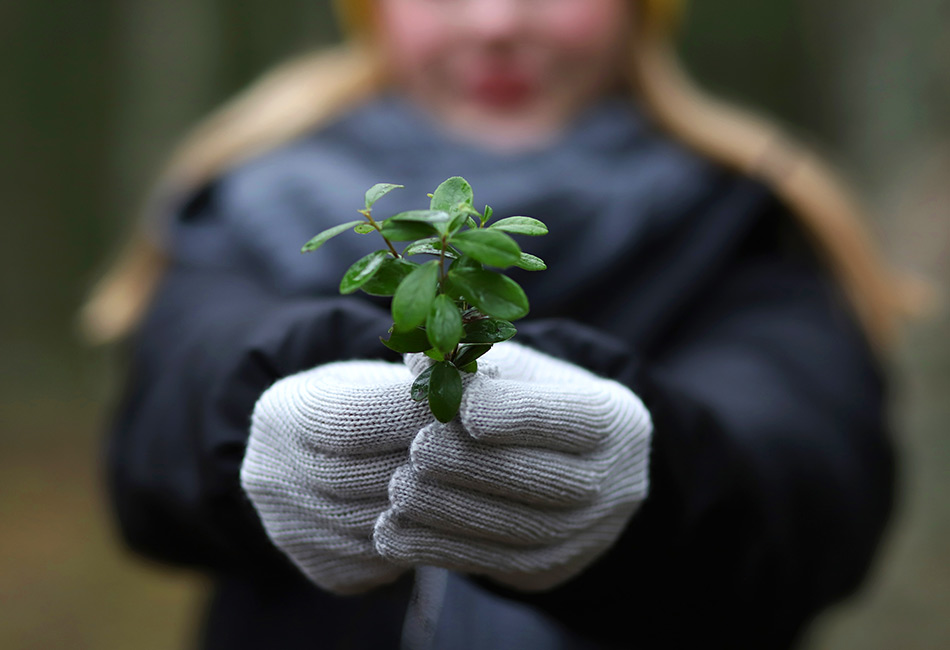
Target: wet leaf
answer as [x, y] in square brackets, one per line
[378, 191]
[470, 367]
[434, 354]
[415, 340]
[488, 330]
[420, 387]
[465, 214]
[321, 238]
[450, 193]
[413, 299]
[444, 324]
[445, 391]
[488, 246]
[406, 230]
[387, 278]
[492, 293]
[521, 226]
[422, 216]
[362, 271]
[469, 353]
[530, 262]
[429, 246]
[466, 262]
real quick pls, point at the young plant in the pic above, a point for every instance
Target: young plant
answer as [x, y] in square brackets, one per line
[450, 307]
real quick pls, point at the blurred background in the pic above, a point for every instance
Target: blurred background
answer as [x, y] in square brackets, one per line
[93, 95]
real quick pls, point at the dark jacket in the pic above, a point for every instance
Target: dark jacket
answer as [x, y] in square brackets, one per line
[771, 470]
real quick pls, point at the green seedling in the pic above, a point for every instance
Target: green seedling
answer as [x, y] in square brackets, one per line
[450, 299]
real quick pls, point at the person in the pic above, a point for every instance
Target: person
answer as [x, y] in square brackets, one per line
[687, 444]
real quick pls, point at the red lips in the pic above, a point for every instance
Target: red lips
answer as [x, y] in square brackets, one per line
[502, 90]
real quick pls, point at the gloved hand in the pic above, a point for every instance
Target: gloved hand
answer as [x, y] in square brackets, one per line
[323, 446]
[538, 476]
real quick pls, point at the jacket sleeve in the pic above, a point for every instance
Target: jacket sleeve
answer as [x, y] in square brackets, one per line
[216, 336]
[771, 468]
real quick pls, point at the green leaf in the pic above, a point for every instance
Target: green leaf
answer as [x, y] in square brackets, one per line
[469, 353]
[449, 289]
[494, 294]
[378, 191]
[362, 271]
[420, 387]
[435, 355]
[429, 246]
[444, 324]
[487, 214]
[488, 246]
[415, 340]
[406, 230]
[465, 213]
[321, 238]
[445, 391]
[450, 194]
[470, 367]
[364, 228]
[530, 262]
[386, 280]
[422, 216]
[436, 219]
[466, 262]
[413, 299]
[521, 226]
[463, 262]
[488, 330]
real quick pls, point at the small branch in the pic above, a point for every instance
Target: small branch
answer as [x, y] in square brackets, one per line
[442, 261]
[372, 222]
[451, 355]
[389, 243]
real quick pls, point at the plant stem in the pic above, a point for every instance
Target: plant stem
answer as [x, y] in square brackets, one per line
[442, 262]
[372, 222]
[389, 243]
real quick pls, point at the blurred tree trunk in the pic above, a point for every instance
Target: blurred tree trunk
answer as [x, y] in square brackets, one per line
[882, 97]
[883, 103]
[181, 58]
[55, 92]
[168, 73]
[750, 52]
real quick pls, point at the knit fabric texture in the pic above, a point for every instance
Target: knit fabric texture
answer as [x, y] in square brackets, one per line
[538, 475]
[323, 447]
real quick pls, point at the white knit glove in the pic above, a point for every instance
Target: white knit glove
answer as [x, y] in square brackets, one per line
[537, 477]
[323, 446]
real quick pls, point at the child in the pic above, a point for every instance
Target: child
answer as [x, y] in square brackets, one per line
[685, 447]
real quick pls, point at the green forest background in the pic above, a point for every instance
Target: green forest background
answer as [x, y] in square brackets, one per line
[93, 95]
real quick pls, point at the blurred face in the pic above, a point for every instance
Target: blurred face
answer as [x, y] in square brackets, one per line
[507, 73]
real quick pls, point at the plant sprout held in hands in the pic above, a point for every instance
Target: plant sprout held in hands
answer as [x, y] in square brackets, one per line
[451, 308]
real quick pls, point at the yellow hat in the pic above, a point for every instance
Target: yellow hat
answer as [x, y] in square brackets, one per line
[355, 15]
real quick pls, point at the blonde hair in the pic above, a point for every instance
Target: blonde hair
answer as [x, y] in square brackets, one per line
[307, 92]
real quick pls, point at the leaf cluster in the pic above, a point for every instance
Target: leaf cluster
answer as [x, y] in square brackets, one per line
[450, 297]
